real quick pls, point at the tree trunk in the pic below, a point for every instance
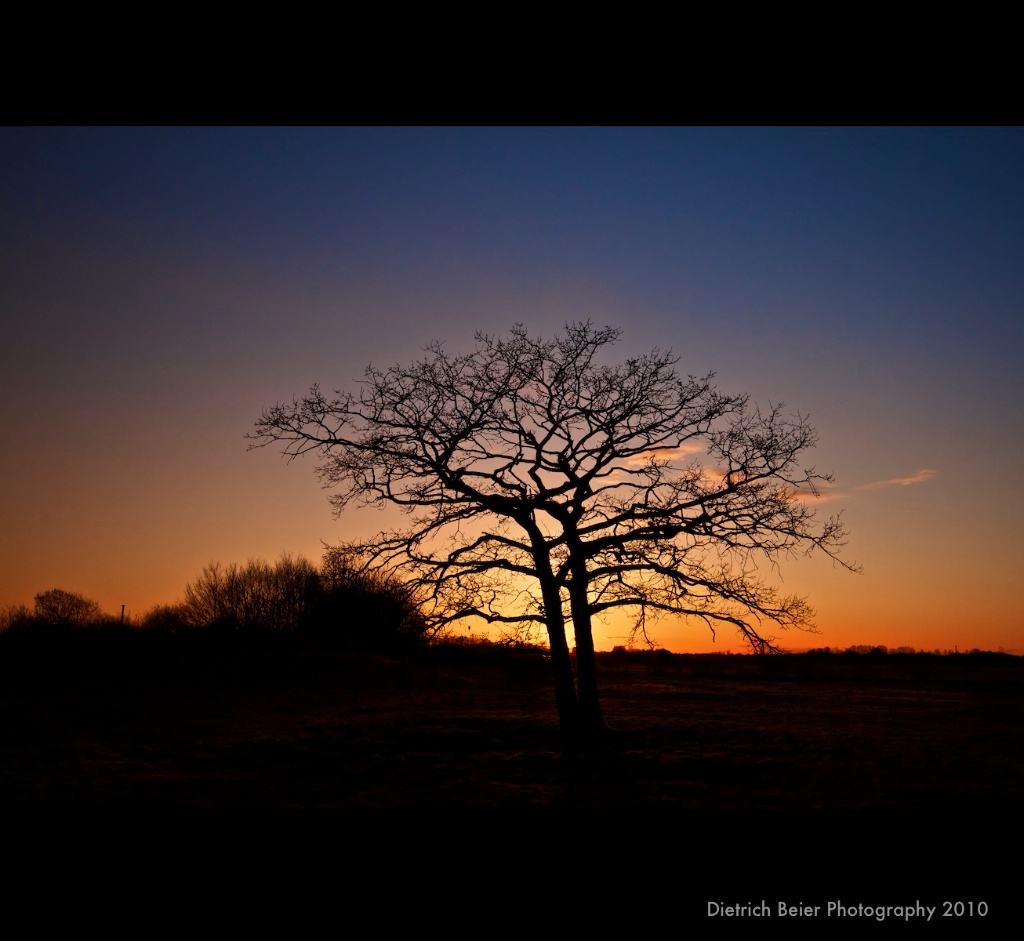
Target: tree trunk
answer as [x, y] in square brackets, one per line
[565, 689]
[577, 700]
[591, 718]
[566, 700]
[592, 722]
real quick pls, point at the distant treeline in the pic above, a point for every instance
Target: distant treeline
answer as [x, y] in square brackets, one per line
[333, 605]
[882, 651]
[855, 651]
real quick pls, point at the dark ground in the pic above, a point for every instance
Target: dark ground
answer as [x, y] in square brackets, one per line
[167, 724]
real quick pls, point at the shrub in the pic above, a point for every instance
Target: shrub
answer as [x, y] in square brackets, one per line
[254, 597]
[357, 610]
[338, 606]
[164, 617]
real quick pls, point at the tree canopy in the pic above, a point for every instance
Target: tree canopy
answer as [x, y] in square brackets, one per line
[57, 606]
[543, 485]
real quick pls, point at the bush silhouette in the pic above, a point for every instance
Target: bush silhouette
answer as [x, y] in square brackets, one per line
[254, 597]
[337, 606]
[166, 618]
[356, 610]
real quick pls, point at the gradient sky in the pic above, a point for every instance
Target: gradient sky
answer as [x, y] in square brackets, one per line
[160, 287]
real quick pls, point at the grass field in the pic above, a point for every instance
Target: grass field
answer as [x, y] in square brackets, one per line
[165, 724]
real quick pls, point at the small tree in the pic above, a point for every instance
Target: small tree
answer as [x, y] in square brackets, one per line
[545, 487]
[65, 607]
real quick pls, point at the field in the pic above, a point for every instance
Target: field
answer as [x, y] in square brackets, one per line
[161, 723]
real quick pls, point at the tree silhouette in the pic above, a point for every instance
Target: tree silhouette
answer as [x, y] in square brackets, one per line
[545, 487]
[57, 606]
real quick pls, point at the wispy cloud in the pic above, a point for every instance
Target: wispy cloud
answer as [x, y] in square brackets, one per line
[826, 494]
[919, 478]
[665, 454]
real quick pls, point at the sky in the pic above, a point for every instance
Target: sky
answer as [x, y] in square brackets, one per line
[160, 287]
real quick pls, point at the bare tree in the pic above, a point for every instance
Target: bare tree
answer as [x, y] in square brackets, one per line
[543, 486]
[57, 606]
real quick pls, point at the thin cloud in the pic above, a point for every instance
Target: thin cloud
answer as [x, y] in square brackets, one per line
[664, 454]
[825, 494]
[919, 478]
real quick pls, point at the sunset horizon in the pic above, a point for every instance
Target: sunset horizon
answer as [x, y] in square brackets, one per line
[163, 286]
